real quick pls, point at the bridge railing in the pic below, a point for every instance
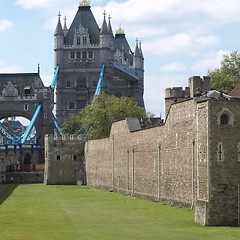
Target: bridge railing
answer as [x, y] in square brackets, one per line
[125, 68]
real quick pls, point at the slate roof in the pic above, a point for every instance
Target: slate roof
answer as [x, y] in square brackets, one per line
[21, 81]
[121, 43]
[84, 17]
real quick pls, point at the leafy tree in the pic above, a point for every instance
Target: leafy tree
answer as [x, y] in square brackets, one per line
[96, 120]
[227, 77]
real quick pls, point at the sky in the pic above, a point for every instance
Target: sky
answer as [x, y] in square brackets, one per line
[180, 38]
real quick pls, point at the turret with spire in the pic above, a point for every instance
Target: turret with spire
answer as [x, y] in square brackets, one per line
[106, 41]
[59, 41]
[59, 34]
[138, 60]
[65, 29]
[104, 33]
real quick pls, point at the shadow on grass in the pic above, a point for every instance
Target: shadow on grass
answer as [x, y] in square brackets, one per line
[8, 189]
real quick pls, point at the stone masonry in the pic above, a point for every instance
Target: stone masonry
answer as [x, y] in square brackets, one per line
[64, 160]
[192, 160]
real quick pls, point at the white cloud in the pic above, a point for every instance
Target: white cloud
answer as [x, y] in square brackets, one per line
[173, 67]
[187, 33]
[5, 24]
[11, 69]
[208, 61]
[29, 4]
[179, 43]
[155, 91]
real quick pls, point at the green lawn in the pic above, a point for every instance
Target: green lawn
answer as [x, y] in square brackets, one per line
[33, 212]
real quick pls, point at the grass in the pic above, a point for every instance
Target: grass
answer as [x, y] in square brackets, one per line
[40, 212]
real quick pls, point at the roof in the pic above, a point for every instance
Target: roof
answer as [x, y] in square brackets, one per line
[235, 92]
[121, 43]
[85, 18]
[21, 81]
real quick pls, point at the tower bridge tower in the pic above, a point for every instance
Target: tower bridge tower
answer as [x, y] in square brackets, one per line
[80, 51]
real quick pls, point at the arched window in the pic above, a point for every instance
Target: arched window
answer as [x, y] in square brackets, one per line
[224, 119]
[81, 83]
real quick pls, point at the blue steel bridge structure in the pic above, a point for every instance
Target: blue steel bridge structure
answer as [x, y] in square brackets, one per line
[12, 140]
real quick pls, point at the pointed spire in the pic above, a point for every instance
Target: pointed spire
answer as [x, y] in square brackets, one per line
[140, 49]
[110, 26]
[137, 52]
[65, 29]
[104, 29]
[59, 29]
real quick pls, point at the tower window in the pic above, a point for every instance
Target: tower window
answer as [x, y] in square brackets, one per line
[71, 105]
[78, 40]
[68, 84]
[81, 83]
[90, 54]
[224, 119]
[78, 55]
[81, 103]
[84, 55]
[25, 107]
[72, 55]
[84, 40]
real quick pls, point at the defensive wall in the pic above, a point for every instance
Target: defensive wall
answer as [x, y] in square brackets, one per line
[192, 160]
[154, 163]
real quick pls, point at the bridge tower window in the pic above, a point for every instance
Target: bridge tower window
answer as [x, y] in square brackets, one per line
[25, 107]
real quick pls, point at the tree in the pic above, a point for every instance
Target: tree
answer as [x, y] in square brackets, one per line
[227, 77]
[95, 120]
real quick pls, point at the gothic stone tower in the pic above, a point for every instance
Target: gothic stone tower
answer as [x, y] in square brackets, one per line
[80, 52]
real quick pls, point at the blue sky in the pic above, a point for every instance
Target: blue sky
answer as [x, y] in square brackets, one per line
[180, 38]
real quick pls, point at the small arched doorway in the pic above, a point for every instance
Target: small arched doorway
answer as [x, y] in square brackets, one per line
[27, 158]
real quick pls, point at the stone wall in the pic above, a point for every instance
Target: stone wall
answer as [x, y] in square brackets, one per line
[192, 160]
[14, 160]
[224, 168]
[154, 163]
[25, 177]
[64, 160]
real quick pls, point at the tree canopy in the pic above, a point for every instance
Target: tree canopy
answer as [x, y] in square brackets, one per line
[95, 120]
[227, 77]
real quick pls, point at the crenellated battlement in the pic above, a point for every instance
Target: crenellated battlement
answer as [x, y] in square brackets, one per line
[67, 137]
[197, 87]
